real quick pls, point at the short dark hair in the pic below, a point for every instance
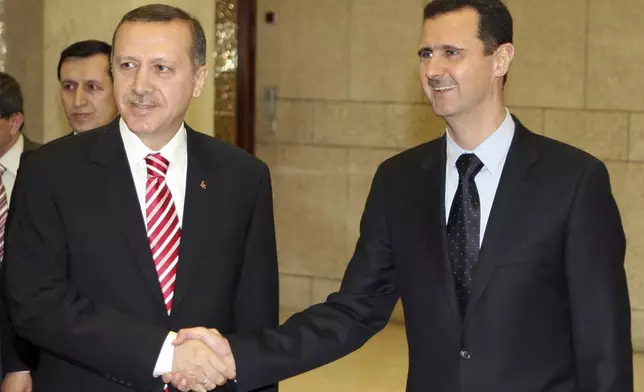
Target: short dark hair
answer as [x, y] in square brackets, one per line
[10, 97]
[495, 21]
[164, 13]
[84, 49]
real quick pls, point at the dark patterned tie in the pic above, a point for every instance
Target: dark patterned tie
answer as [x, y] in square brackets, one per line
[464, 226]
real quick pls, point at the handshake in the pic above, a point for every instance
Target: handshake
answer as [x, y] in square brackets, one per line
[202, 361]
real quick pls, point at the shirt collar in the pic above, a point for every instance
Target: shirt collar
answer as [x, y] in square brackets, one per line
[11, 159]
[491, 152]
[174, 151]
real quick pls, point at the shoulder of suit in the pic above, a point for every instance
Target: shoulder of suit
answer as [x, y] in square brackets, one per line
[68, 146]
[414, 156]
[560, 153]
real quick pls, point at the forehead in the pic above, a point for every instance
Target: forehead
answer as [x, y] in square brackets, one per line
[78, 68]
[459, 28]
[147, 39]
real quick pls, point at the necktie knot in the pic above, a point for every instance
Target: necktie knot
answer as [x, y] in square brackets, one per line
[157, 165]
[468, 166]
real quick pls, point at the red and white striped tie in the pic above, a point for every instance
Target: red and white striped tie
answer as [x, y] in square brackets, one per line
[4, 208]
[164, 233]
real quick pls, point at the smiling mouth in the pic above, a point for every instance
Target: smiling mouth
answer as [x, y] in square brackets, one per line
[444, 88]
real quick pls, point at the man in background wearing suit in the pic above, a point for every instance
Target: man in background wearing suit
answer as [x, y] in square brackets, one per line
[12, 145]
[86, 86]
[506, 247]
[87, 96]
[126, 234]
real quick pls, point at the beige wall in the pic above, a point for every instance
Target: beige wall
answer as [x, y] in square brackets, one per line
[349, 97]
[54, 24]
[25, 47]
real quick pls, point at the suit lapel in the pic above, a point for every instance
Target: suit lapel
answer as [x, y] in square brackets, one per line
[429, 197]
[118, 187]
[512, 196]
[203, 190]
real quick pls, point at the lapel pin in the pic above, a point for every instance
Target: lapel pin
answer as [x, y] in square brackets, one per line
[203, 185]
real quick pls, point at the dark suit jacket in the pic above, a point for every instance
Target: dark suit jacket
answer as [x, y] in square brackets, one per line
[17, 353]
[549, 310]
[80, 276]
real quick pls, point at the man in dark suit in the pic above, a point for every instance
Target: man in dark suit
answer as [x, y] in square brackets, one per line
[86, 85]
[129, 232]
[506, 247]
[13, 145]
[87, 96]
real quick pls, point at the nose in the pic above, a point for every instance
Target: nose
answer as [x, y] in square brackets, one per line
[141, 81]
[80, 97]
[433, 68]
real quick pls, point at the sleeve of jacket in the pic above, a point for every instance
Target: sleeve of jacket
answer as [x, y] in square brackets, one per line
[257, 297]
[599, 304]
[49, 311]
[342, 324]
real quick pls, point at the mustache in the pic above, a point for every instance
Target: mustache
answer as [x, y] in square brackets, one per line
[141, 99]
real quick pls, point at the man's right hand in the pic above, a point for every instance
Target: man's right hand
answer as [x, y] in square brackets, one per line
[201, 369]
[17, 382]
[218, 346]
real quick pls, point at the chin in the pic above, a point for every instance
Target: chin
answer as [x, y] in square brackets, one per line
[444, 110]
[137, 125]
[80, 127]
[440, 112]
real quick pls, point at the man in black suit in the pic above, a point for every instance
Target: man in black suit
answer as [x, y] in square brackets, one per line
[86, 85]
[87, 96]
[129, 232]
[13, 145]
[506, 247]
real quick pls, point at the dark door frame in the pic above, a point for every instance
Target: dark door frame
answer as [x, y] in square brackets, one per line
[246, 47]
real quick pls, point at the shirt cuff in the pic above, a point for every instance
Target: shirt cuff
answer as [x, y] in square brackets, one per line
[166, 356]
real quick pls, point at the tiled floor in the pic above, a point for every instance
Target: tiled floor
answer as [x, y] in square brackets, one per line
[380, 366]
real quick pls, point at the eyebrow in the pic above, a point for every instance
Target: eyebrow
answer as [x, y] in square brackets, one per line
[84, 80]
[121, 58]
[154, 59]
[443, 47]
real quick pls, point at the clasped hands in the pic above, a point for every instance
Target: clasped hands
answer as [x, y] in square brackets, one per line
[202, 361]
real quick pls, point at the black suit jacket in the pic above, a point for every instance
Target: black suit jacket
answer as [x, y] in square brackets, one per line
[549, 310]
[80, 276]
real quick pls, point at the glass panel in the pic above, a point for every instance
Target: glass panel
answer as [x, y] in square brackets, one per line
[3, 44]
[225, 57]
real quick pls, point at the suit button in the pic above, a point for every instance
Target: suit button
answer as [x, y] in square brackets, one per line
[466, 354]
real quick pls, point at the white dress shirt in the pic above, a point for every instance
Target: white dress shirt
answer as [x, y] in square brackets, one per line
[176, 152]
[11, 160]
[492, 152]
